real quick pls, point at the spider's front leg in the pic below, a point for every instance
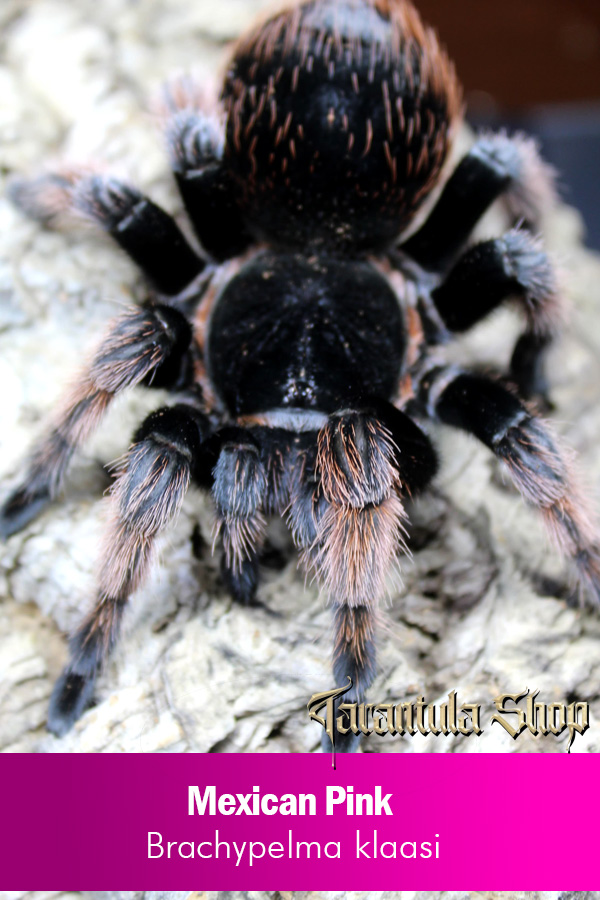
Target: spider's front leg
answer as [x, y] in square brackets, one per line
[146, 496]
[347, 516]
[248, 482]
[537, 465]
[496, 165]
[141, 345]
[239, 488]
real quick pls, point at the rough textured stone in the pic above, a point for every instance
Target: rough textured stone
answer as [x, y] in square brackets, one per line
[481, 609]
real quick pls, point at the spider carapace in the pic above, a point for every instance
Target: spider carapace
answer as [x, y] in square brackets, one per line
[304, 337]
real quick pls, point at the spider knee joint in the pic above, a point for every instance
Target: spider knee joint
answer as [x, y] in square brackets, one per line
[195, 142]
[138, 345]
[158, 468]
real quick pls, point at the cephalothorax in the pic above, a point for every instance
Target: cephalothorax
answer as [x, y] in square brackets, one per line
[302, 342]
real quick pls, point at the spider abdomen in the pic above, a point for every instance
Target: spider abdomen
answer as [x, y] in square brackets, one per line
[319, 333]
[338, 121]
[300, 333]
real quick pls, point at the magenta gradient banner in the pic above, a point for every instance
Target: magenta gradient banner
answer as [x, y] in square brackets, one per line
[424, 821]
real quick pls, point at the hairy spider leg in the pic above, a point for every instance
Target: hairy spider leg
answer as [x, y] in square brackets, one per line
[538, 466]
[195, 140]
[141, 228]
[497, 165]
[239, 490]
[141, 345]
[145, 498]
[348, 519]
[514, 265]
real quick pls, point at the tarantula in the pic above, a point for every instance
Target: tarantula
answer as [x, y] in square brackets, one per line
[302, 339]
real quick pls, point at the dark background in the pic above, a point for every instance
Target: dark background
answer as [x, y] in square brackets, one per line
[534, 65]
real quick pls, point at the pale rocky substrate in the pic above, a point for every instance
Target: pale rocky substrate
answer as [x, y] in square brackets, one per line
[194, 671]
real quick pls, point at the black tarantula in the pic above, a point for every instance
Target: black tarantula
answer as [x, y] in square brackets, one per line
[302, 340]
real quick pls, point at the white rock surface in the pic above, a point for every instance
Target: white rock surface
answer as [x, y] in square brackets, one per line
[474, 614]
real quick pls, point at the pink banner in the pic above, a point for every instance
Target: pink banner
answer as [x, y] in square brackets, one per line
[410, 821]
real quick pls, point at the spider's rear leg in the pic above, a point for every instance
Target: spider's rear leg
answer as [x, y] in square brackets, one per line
[347, 515]
[195, 141]
[492, 271]
[146, 496]
[141, 228]
[141, 345]
[533, 456]
[496, 165]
